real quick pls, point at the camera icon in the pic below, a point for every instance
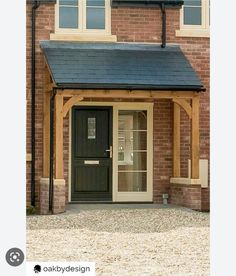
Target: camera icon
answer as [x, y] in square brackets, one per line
[14, 256]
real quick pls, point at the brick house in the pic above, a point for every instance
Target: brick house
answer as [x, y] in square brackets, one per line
[117, 102]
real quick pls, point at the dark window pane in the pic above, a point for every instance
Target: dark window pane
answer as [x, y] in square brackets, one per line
[68, 17]
[96, 3]
[193, 3]
[95, 18]
[192, 16]
[69, 2]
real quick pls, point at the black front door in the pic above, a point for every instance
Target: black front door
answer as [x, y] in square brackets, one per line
[91, 159]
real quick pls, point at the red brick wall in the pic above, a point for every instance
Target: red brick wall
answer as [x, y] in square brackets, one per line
[162, 148]
[45, 25]
[132, 25]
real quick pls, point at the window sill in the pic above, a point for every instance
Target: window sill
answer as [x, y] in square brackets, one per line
[192, 33]
[84, 37]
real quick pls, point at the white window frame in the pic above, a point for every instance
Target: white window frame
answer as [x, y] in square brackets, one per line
[202, 30]
[82, 21]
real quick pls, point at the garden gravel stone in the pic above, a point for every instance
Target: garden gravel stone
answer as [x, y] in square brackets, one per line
[124, 241]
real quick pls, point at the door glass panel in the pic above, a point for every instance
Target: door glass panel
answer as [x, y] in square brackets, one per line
[132, 120]
[132, 150]
[132, 181]
[135, 162]
[91, 128]
[132, 140]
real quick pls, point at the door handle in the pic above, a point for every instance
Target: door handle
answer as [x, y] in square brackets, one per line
[110, 150]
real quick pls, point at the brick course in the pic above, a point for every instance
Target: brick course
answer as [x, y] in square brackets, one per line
[130, 25]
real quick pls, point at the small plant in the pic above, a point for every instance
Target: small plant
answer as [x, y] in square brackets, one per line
[30, 210]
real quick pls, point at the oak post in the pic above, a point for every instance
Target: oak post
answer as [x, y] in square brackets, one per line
[59, 172]
[46, 123]
[195, 139]
[176, 141]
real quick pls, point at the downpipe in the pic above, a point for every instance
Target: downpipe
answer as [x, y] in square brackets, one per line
[163, 35]
[33, 27]
[51, 155]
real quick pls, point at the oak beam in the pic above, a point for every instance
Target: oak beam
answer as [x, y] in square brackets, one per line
[176, 141]
[195, 139]
[127, 94]
[59, 172]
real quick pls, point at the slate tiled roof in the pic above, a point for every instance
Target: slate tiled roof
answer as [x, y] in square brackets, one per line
[119, 66]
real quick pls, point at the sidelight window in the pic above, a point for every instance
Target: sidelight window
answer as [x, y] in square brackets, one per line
[132, 151]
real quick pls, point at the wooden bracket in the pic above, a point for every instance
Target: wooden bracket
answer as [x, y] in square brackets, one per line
[73, 100]
[185, 105]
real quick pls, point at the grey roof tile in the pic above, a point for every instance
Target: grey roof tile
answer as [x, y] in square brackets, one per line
[119, 65]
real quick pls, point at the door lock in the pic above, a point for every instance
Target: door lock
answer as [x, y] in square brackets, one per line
[110, 150]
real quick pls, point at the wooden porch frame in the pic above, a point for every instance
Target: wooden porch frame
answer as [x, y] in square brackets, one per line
[187, 100]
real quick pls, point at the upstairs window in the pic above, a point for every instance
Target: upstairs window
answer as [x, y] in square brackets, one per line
[83, 16]
[195, 17]
[192, 13]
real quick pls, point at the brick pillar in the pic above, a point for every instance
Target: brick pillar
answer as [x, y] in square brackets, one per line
[186, 195]
[59, 200]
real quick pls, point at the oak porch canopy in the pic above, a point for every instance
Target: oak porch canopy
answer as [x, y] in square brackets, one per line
[120, 71]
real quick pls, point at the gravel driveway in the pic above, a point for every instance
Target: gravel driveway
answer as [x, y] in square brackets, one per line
[148, 241]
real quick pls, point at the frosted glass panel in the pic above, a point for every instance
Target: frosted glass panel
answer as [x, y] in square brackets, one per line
[68, 17]
[91, 128]
[95, 18]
